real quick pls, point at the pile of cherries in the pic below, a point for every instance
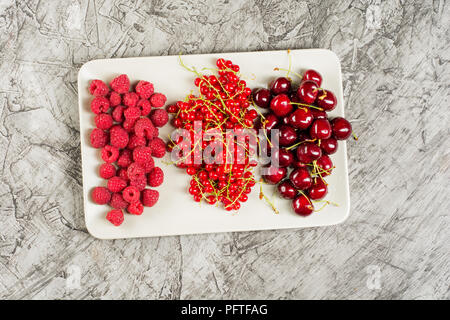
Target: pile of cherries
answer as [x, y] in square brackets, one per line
[307, 136]
[222, 104]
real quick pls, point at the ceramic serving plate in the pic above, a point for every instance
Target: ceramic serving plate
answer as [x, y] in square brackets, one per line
[176, 213]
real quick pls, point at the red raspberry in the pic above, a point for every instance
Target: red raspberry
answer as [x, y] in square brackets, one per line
[139, 183]
[103, 121]
[122, 173]
[98, 88]
[117, 113]
[136, 141]
[130, 99]
[114, 99]
[145, 128]
[121, 84]
[144, 89]
[116, 184]
[125, 158]
[158, 147]
[132, 113]
[115, 216]
[135, 208]
[149, 165]
[101, 195]
[158, 100]
[110, 153]
[118, 137]
[107, 170]
[131, 194]
[99, 138]
[159, 117]
[99, 105]
[155, 177]
[145, 107]
[142, 154]
[117, 201]
[128, 125]
[135, 171]
[150, 197]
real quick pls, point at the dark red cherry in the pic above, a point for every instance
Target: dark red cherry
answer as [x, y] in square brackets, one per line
[300, 178]
[325, 165]
[262, 97]
[312, 75]
[318, 190]
[285, 157]
[308, 152]
[270, 122]
[342, 129]
[286, 189]
[281, 105]
[273, 175]
[301, 118]
[302, 205]
[318, 114]
[326, 100]
[285, 120]
[307, 91]
[287, 136]
[329, 146]
[302, 136]
[280, 85]
[320, 129]
[298, 164]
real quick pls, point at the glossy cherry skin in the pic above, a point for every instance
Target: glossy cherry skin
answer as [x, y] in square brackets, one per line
[285, 120]
[285, 157]
[280, 85]
[274, 174]
[307, 92]
[342, 129]
[298, 164]
[286, 189]
[302, 205]
[262, 97]
[329, 146]
[318, 114]
[287, 136]
[301, 179]
[313, 75]
[320, 129]
[318, 190]
[301, 118]
[281, 105]
[326, 100]
[270, 122]
[308, 152]
[325, 164]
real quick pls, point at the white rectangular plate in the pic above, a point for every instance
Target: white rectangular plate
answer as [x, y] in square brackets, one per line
[176, 213]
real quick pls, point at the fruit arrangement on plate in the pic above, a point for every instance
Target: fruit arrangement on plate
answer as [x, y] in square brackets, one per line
[126, 131]
[305, 139]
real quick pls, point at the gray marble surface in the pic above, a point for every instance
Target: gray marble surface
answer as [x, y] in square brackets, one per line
[396, 66]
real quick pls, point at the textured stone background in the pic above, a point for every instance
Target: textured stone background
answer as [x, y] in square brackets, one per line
[396, 64]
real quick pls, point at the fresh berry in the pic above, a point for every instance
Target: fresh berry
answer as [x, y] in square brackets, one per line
[142, 154]
[301, 118]
[135, 171]
[131, 194]
[301, 179]
[130, 99]
[342, 129]
[145, 128]
[287, 136]
[313, 75]
[121, 84]
[118, 137]
[307, 91]
[98, 88]
[103, 121]
[144, 89]
[155, 177]
[115, 216]
[287, 190]
[125, 158]
[150, 197]
[308, 152]
[114, 99]
[326, 100]
[107, 170]
[132, 113]
[158, 147]
[281, 105]
[117, 113]
[136, 141]
[144, 106]
[280, 85]
[116, 184]
[325, 165]
[302, 205]
[129, 124]
[101, 195]
[110, 154]
[329, 146]
[262, 98]
[99, 138]
[274, 175]
[320, 129]
[135, 208]
[117, 201]
[318, 190]
[139, 183]
[159, 117]
[158, 100]
[100, 105]
[122, 173]
[149, 165]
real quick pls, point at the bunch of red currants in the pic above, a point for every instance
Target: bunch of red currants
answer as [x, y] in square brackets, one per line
[222, 104]
[306, 137]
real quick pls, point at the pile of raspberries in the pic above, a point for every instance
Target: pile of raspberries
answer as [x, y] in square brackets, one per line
[126, 131]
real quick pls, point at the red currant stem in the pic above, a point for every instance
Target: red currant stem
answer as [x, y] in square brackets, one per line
[307, 105]
[263, 196]
[299, 143]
